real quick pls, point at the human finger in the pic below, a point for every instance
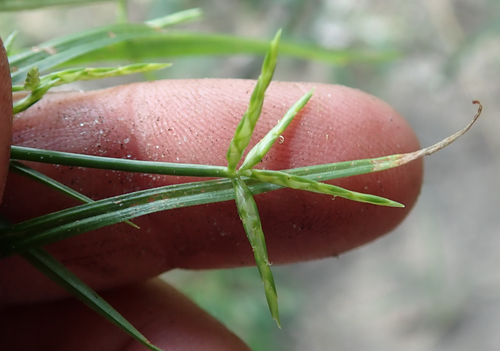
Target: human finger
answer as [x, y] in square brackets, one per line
[166, 317]
[192, 122]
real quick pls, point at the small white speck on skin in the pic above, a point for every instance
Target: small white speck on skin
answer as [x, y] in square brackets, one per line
[327, 137]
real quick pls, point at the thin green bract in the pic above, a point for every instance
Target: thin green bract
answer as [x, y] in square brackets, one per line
[300, 183]
[245, 128]
[255, 155]
[249, 215]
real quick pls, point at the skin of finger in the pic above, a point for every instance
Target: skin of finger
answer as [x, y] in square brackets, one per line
[193, 122]
[5, 117]
[164, 316]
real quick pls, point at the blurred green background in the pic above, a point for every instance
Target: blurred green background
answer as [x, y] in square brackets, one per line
[432, 284]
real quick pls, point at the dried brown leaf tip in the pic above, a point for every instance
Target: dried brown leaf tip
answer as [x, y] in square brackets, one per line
[398, 160]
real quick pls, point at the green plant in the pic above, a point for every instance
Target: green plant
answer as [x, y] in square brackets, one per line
[239, 184]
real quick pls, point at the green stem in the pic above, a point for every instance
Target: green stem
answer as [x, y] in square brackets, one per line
[78, 160]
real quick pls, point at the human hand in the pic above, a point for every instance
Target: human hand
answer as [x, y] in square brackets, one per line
[189, 122]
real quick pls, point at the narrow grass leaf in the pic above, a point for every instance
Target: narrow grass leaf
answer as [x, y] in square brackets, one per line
[301, 183]
[249, 215]
[57, 272]
[176, 18]
[245, 128]
[30, 173]
[255, 155]
[19, 5]
[179, 43]
[9, 41]
[60, 50]
[80, 219]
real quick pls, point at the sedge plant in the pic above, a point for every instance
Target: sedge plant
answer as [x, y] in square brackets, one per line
[233, 183]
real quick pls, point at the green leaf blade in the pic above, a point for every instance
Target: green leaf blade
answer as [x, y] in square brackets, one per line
[30, 173]
[176, 18]
[249, 215]
[301, 183]
[255, 155]
[245, 128]
[180, 43]
[66, 48]
[61, 50]
[19, 5]
[66, 223]
[57, 272]
[9, 41]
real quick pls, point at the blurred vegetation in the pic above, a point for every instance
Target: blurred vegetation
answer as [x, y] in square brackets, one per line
[235, 298]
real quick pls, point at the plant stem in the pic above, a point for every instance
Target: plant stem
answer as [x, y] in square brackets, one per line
[117, 164]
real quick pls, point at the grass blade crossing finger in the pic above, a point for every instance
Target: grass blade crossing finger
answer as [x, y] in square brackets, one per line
[260, 150]
[57, 272]
[245, 128]
[22, 169]
[249, 214]
[301, 183]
